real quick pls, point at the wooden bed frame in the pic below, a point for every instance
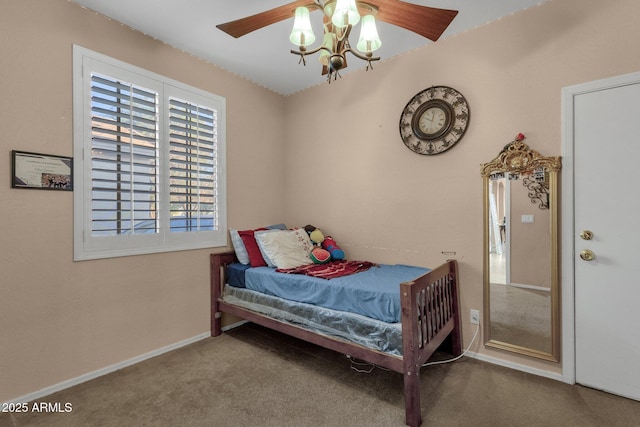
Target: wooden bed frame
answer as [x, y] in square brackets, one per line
[430, 318]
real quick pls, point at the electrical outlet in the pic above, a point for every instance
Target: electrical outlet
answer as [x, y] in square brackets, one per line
[475, 317]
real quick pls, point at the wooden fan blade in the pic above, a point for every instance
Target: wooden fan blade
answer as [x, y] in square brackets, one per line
[427, 21]
[243, 26]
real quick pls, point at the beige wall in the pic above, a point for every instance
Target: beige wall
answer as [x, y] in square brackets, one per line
[349, 173]
[329, 156]
[60, 319]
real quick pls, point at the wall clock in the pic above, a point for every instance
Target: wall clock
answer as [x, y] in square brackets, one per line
[434, 120]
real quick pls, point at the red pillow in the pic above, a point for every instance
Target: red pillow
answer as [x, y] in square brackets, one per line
[249, 240]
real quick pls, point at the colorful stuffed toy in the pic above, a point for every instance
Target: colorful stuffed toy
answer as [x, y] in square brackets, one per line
[317, 237]
[327, 243]
[318, 255]
[330, 245]
[315, 234]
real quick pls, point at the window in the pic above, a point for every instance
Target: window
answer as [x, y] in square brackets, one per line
[149, 162]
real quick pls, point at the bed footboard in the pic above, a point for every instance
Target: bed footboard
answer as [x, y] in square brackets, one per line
[430, 315]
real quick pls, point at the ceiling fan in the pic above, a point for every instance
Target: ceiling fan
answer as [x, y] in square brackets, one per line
[339, 16]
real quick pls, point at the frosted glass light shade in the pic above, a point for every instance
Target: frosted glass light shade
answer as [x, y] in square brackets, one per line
[329, 43]
[345, 13]
[302, 33]
[369, 39]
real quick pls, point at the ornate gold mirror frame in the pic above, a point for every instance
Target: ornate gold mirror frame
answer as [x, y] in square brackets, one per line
[538, 175]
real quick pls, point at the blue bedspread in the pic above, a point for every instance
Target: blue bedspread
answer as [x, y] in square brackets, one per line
[373, 293]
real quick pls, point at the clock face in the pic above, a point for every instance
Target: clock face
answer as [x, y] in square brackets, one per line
[434, 120]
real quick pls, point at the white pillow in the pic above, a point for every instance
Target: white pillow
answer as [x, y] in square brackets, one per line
[286, 248]
[266, 258]
[238, 247]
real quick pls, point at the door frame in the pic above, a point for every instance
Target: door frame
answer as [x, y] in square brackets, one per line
[567, 218]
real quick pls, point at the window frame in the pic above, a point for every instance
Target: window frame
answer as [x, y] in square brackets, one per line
[86, 246]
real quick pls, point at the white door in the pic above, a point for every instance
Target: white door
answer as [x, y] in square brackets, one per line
[606, 138]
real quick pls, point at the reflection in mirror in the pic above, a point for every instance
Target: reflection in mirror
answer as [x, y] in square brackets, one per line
[521, 267]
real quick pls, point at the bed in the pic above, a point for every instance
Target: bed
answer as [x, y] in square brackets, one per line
[428, 318]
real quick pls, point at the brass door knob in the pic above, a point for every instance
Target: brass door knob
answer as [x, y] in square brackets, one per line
[586, 234]
[587, 255]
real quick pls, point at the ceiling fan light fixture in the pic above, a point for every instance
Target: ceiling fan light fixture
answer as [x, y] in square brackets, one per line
[345, 13]
[338, 19]
[369, 39]
[302, 33]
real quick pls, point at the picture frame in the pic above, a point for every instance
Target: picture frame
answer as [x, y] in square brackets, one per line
[41, 171]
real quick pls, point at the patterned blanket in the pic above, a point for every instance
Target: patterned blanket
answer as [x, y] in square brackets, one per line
[330, 270]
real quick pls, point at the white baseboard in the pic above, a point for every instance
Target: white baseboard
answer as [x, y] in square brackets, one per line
[107, 370]
[516, 366]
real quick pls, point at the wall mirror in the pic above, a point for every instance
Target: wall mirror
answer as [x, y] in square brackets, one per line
[521, 277]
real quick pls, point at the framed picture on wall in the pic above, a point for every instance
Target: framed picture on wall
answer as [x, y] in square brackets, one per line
[41, 171]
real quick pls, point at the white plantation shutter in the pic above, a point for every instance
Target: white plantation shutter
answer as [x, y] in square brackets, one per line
[124, 158]
[192, 166]
[150, 156]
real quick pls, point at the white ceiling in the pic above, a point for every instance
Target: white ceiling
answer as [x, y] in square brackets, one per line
[263, 56]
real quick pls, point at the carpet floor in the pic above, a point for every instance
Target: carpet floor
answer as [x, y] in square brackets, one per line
[252, 376]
